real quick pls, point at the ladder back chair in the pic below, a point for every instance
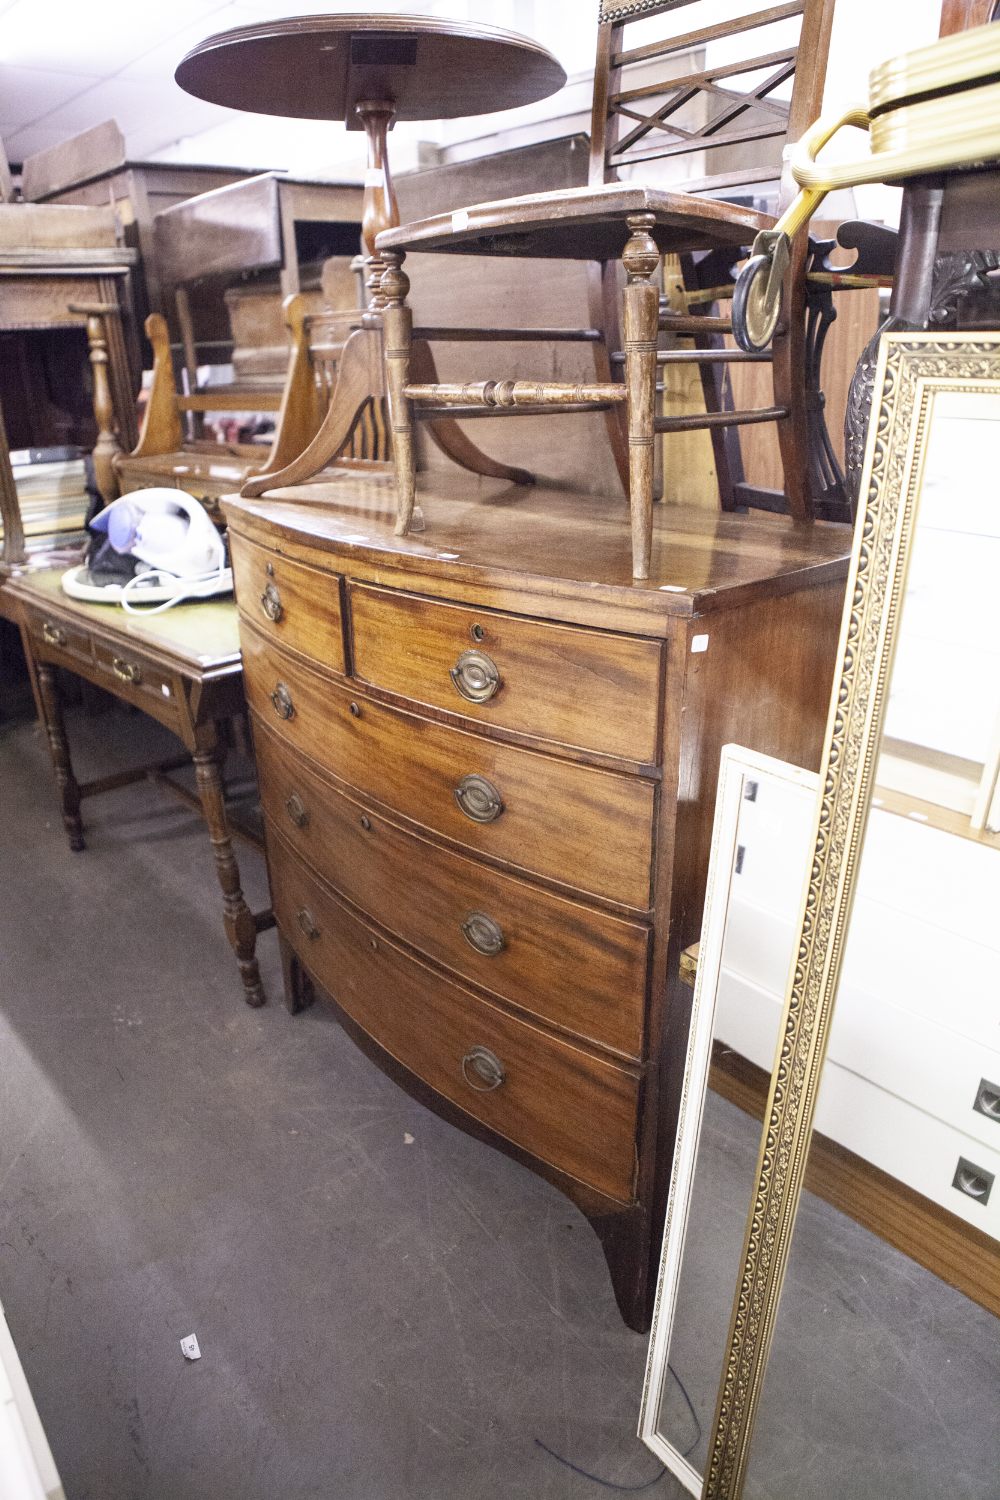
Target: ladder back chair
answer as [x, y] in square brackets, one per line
[714, 126]
[208, 470]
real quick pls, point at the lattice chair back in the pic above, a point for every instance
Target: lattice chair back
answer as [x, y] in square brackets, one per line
[705, 104]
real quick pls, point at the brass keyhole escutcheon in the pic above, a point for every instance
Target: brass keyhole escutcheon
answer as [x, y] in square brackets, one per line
[356, 710]
[270, 603]
[366, 822]
[477, 632]
[479, 799]
[482, 1070]
[483, 933]
[307, 922]
[281, 700]
[296, 810]
[476, 676]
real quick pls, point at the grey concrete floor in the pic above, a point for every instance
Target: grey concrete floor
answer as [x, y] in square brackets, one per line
[387, 1310]
[379, 1318]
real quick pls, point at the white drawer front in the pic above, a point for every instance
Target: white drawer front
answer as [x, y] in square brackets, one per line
[907, 1144]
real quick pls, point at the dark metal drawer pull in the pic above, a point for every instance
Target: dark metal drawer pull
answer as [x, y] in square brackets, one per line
[296, 810]
[282, 701]
[128, 671]
[479, 799]
[270, 603]
[483, 934]
[306, 921]
[482, 1070]
[988, 1099]
[974, 1182]
[53, 634]
[476, 676]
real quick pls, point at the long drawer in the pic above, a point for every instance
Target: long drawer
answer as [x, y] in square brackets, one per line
[576, 824]
[576, 967]
[585, 688]
[550, 1098]
[295, 605]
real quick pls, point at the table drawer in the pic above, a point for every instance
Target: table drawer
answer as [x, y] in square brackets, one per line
[575, 967]
[125, 668]
[584, 688]
[57, 639]
[295, 605]
[555, 1101]
[578, 825]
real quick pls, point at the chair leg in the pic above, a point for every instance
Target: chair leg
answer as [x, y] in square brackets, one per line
[788, 367]
[397, 322]
[641, 325]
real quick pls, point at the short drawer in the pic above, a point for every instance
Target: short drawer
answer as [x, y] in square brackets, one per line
[297, 606]
[58, 640]
[126, 669]
[577, 968]
[581, 688]
[586, 828]
[550, 1098]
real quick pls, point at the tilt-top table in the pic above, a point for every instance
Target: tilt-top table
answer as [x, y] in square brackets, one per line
[369, 71]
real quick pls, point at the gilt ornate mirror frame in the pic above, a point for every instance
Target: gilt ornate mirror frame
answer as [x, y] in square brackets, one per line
[913, 369]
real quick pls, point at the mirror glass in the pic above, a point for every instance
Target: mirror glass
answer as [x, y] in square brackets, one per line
[884, 1373]
[763, 832]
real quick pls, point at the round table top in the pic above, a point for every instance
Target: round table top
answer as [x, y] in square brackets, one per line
[320, 67]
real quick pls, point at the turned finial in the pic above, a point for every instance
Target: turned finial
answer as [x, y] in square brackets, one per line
[395, 284]
[641, 255]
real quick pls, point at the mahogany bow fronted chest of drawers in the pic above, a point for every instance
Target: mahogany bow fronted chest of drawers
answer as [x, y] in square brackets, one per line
[488, 763]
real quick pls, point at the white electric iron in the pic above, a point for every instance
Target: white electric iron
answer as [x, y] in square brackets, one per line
[181, 554]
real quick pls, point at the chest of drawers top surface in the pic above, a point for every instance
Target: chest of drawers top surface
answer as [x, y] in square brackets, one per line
[570, 550]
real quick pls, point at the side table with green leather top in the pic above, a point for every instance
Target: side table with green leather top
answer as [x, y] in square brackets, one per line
[183, 668]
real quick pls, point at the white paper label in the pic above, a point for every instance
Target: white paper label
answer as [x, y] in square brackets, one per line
[375, 177]
[189, 1347]
[460, 220]
[699, 643]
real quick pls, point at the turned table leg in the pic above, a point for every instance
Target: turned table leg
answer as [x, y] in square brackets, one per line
[55, 728]
[642, 310]
[240, 922]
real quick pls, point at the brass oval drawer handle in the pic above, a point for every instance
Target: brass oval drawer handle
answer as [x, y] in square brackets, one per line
[270, 603]
[281, 699]
[127, 671]
[307, 922]
[296, 810]
[476, 676]
[53, 634]
[483, 933]
[482, 1070]
[479, 799]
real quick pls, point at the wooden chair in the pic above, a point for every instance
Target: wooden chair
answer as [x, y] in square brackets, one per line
[701, 114]
[208, 470]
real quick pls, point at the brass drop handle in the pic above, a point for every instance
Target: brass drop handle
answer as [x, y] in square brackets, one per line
[296, 810]
[53, 634]
[270, 603]
[479, 799]
[307, 922]
[281, 699]
[476, 676]
[482, 1070]
[127, 671]
[483, 933]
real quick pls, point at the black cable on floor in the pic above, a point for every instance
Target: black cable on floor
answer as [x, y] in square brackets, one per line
[631, 1489]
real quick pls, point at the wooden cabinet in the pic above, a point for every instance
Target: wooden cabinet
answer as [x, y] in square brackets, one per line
[488, 764]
